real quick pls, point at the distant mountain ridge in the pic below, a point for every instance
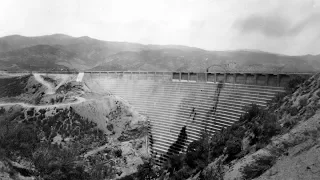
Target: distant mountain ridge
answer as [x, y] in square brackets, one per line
[61, 52]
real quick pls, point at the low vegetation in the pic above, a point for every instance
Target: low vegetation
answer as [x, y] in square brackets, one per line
[34, 140]
[260, 165]
[14, 86]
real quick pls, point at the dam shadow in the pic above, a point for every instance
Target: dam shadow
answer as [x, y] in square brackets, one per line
[177, 146]
[181, 143]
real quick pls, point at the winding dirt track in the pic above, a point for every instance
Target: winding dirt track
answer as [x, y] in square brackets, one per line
[50, 90]
[78, 101]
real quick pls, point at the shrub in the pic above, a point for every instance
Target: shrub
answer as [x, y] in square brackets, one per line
[42, 111]
[303, 102]
[110, 127]
[238, 130]
[218, 143]
[293, 111]
[310, 111]
[182, 174]
[313, 134]
[14, 86]
[53, 162]
[2, 110]
[37, 100]
[197, 153]
[290, 123]
[233, 147]
[174, 163]
[102, 171]
[294, 83]
[20, 139]
[128, 177]
[118, 152]
[267, 128]
[251, 112]
[59, 99]
[214, 171]
[262, 123]
[260, 165]
[277, 101]
[146, 171]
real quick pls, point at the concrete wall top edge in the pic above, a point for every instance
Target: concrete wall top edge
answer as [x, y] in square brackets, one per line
[167, 72]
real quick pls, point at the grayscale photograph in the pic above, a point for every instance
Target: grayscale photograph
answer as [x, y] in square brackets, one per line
[160, 90]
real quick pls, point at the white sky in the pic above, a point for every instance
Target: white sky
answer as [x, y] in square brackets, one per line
[281, 26]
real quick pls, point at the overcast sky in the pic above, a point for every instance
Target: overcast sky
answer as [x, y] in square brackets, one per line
[281, 26]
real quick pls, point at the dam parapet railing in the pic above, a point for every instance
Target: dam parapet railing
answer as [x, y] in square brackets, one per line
[264, 78]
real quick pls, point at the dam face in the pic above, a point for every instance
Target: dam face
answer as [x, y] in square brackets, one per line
[181, 106]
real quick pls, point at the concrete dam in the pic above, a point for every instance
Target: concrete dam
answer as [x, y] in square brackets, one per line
[181, 106]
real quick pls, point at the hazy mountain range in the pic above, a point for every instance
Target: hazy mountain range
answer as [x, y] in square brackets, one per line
[59, 51]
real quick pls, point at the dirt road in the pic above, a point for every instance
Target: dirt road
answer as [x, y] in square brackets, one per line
[49, 86]
[50, 90]
[78, 101]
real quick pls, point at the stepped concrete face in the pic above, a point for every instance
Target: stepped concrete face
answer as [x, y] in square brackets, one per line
[181, 106]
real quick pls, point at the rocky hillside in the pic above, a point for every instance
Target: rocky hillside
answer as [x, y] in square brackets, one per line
[72, 133]
[291, 153]
[58, 51]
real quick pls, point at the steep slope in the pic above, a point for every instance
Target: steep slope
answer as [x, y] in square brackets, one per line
[293, 154]
[44, 133]
[300, 159]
